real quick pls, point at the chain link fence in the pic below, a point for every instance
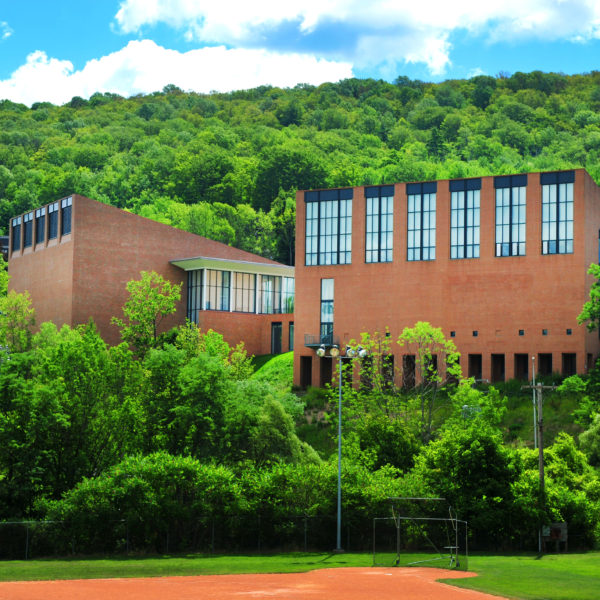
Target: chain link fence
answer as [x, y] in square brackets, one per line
[22, 540]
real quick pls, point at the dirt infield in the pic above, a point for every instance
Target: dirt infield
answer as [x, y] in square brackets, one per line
[324, 584]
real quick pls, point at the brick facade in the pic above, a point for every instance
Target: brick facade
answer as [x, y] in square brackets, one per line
[495, 296]
[83, 274]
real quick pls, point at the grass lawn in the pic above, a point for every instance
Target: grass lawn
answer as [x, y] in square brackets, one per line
[160, 566]
[553, 577]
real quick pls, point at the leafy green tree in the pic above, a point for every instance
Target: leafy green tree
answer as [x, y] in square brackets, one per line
[4, 277]
[591, 309]
[69, 408]
[151, 499]
[151, 298]
[17, 318]
[469, 466]
[590, 440]
[435, 365]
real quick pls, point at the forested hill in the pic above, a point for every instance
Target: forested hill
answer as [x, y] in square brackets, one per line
[227, 165]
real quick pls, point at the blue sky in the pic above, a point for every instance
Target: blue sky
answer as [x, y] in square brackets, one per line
[52, 51]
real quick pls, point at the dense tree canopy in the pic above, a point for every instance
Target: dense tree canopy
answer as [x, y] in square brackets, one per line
[225, 165]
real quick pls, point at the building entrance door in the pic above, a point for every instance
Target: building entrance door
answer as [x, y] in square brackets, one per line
[497, 367]
[305, 371]
[276, 338]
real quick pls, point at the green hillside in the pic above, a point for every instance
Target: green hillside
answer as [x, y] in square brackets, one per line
[227, 165]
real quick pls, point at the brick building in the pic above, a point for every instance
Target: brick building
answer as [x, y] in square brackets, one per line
[76, 255]
[499, 263]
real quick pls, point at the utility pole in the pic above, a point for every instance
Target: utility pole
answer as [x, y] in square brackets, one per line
[538, 391]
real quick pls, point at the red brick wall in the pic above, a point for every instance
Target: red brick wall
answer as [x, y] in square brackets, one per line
[253, 330]
[495, 296]
[46, 271]
[85, 274]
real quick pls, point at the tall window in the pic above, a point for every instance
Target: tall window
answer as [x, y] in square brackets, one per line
[244, 292]
[16, 234]
[464, 218]
[217, 290]
[27, 230]
[52, 220]
[557, 212]
[380, 226]
[326, 311]
[510, 215]
[328, 227]
[40, 224]
[66, 206]
[287, 298]
[421, 220]
[270, 294]
[194, 295]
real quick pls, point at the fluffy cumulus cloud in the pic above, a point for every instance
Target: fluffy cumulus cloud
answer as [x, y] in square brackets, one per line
[5, 30]
[379, 32]
[143, 67]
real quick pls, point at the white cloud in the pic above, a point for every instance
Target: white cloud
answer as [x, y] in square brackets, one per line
[423, 27]
[5, 30]
[143, 67]
[475, 72]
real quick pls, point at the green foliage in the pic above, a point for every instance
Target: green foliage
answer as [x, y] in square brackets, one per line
[151, 298]
[180, 157]
[4, 277]
[69, 409]
[152, 494]
[17, 318]
[591, 309]
[469, 466]
[193, 342]
[590, 441]
[278, 371]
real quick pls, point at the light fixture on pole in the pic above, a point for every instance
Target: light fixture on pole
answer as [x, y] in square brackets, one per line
[334, 352]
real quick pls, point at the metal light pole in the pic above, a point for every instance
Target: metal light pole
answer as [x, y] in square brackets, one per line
[338, 543]
[533, 401]
[334, 352]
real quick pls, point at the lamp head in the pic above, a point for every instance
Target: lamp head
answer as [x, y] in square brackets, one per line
[350, 352]
[334, 351]
[321, 351]
[362, 352]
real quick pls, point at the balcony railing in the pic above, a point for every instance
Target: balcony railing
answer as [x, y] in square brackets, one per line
[327, 340]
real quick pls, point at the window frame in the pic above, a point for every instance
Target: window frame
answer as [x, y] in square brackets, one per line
[15, 224]
[40, 225]
[426, 191]
[243, 292]
[195, 295]
[326, 314]
[219, 290]
[66, 212]
[270, 294]
[559, 185]
[328, 227]
[53, 221]
[518, 228]
[28, 229]
[379, 224]
[465, 220]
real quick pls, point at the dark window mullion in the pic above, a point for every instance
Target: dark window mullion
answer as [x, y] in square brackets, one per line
[465, 222]
[421, 227]
[379, 230]
[557, 218]
[319, 233]
[339, 229]
[510, 220]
